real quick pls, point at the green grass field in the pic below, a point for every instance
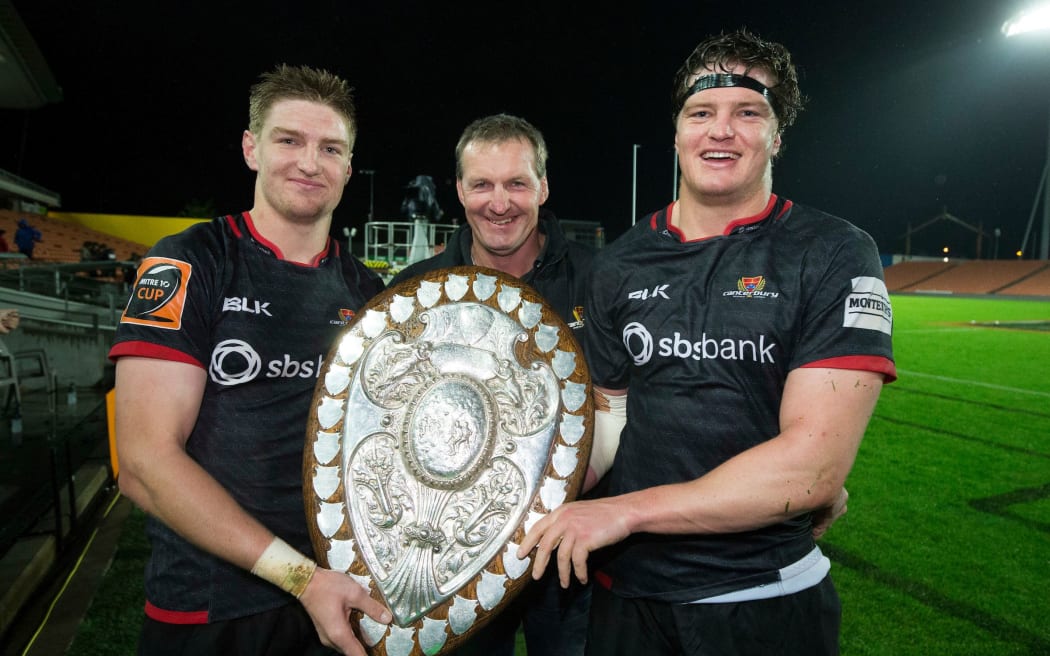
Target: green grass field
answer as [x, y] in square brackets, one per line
[945, 549]
[946, 546]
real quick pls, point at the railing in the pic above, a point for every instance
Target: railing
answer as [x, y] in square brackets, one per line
[54, 443]
[65, 291]
[403, 242]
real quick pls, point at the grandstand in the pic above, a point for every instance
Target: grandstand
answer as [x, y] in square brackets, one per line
[971, 277]
[62, 241]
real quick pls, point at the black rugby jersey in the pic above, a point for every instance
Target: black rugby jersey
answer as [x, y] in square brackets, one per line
[220, 296]
[704, 334]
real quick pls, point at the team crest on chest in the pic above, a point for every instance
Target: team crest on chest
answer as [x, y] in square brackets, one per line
[751, 287]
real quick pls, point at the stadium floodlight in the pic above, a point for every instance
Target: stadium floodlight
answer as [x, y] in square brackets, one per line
[1036, 19]
[371, 192]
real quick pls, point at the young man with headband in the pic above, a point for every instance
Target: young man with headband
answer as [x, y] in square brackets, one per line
[745, 378]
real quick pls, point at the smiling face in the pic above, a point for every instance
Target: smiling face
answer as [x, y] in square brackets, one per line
[302, 158]
[501, 195]
[726, 138]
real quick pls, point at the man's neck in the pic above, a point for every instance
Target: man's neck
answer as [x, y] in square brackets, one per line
[299, 241]
[697, 219]
[516, 264]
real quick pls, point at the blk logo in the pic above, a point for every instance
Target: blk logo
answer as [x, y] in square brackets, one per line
[658, 291]
[242, 304]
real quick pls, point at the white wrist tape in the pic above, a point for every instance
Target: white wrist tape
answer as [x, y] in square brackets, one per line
[285, 567]
[610, 416]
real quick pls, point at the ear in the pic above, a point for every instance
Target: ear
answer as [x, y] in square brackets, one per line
[777, 142]
[545, 190]
[248, 148]
[349, 168]
[459, 192]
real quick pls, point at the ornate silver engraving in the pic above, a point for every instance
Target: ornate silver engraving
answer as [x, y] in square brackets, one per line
[445, 441]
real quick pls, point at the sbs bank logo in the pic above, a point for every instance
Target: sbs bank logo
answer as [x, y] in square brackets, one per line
[638, 342]
[234, 362]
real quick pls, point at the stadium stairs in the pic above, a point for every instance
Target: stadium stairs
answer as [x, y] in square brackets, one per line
[57, 477]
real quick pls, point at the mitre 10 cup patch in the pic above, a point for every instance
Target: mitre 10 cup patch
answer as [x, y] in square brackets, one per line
[159, 294]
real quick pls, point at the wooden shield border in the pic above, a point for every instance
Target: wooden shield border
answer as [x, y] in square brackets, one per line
[544, 340]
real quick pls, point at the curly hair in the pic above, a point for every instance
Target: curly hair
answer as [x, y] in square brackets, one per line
[300, 83]
[742, 47]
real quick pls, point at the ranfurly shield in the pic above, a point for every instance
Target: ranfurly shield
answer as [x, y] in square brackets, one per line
[450, 416]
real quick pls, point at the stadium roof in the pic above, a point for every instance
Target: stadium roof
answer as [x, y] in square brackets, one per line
[26, 81]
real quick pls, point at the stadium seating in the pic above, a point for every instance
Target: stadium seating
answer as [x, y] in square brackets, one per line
[62, 241]
[1000, 277]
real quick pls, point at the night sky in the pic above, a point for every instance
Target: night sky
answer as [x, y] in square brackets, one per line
[914, 107]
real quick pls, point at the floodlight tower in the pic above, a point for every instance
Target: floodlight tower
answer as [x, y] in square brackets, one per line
[371, 192]
[1037, 19]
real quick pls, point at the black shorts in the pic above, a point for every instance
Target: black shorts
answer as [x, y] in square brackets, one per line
[284, 631]
[803, 624]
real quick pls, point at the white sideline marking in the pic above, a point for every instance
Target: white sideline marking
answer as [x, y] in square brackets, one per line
[978, 383]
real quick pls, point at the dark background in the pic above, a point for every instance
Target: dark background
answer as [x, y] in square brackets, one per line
[914, 107]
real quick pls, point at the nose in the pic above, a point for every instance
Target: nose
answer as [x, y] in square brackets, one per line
[308, 161]
[722, 129]
[500, 199]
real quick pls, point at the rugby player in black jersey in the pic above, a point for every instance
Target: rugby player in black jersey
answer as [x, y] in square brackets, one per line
[738, 343]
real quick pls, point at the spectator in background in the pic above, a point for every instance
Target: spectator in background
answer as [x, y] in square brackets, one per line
[26, 238]
[4, 248]
[9, 319]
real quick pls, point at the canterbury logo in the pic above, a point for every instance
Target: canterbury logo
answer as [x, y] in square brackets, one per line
[655, 292]
[751, 287]
[751, 284]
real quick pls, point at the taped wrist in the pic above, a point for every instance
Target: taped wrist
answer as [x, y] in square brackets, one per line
[285, 567]
[610, 416]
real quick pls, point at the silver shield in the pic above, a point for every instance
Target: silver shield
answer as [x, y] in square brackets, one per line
[452, 414]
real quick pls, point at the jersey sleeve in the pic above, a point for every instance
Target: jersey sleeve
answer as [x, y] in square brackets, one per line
[847, 321]
[171, 308]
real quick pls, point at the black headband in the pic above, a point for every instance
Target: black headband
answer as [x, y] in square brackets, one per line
[716, 80]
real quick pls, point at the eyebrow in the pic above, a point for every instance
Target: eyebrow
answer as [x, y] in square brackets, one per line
[278, 130]
[699, 102]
